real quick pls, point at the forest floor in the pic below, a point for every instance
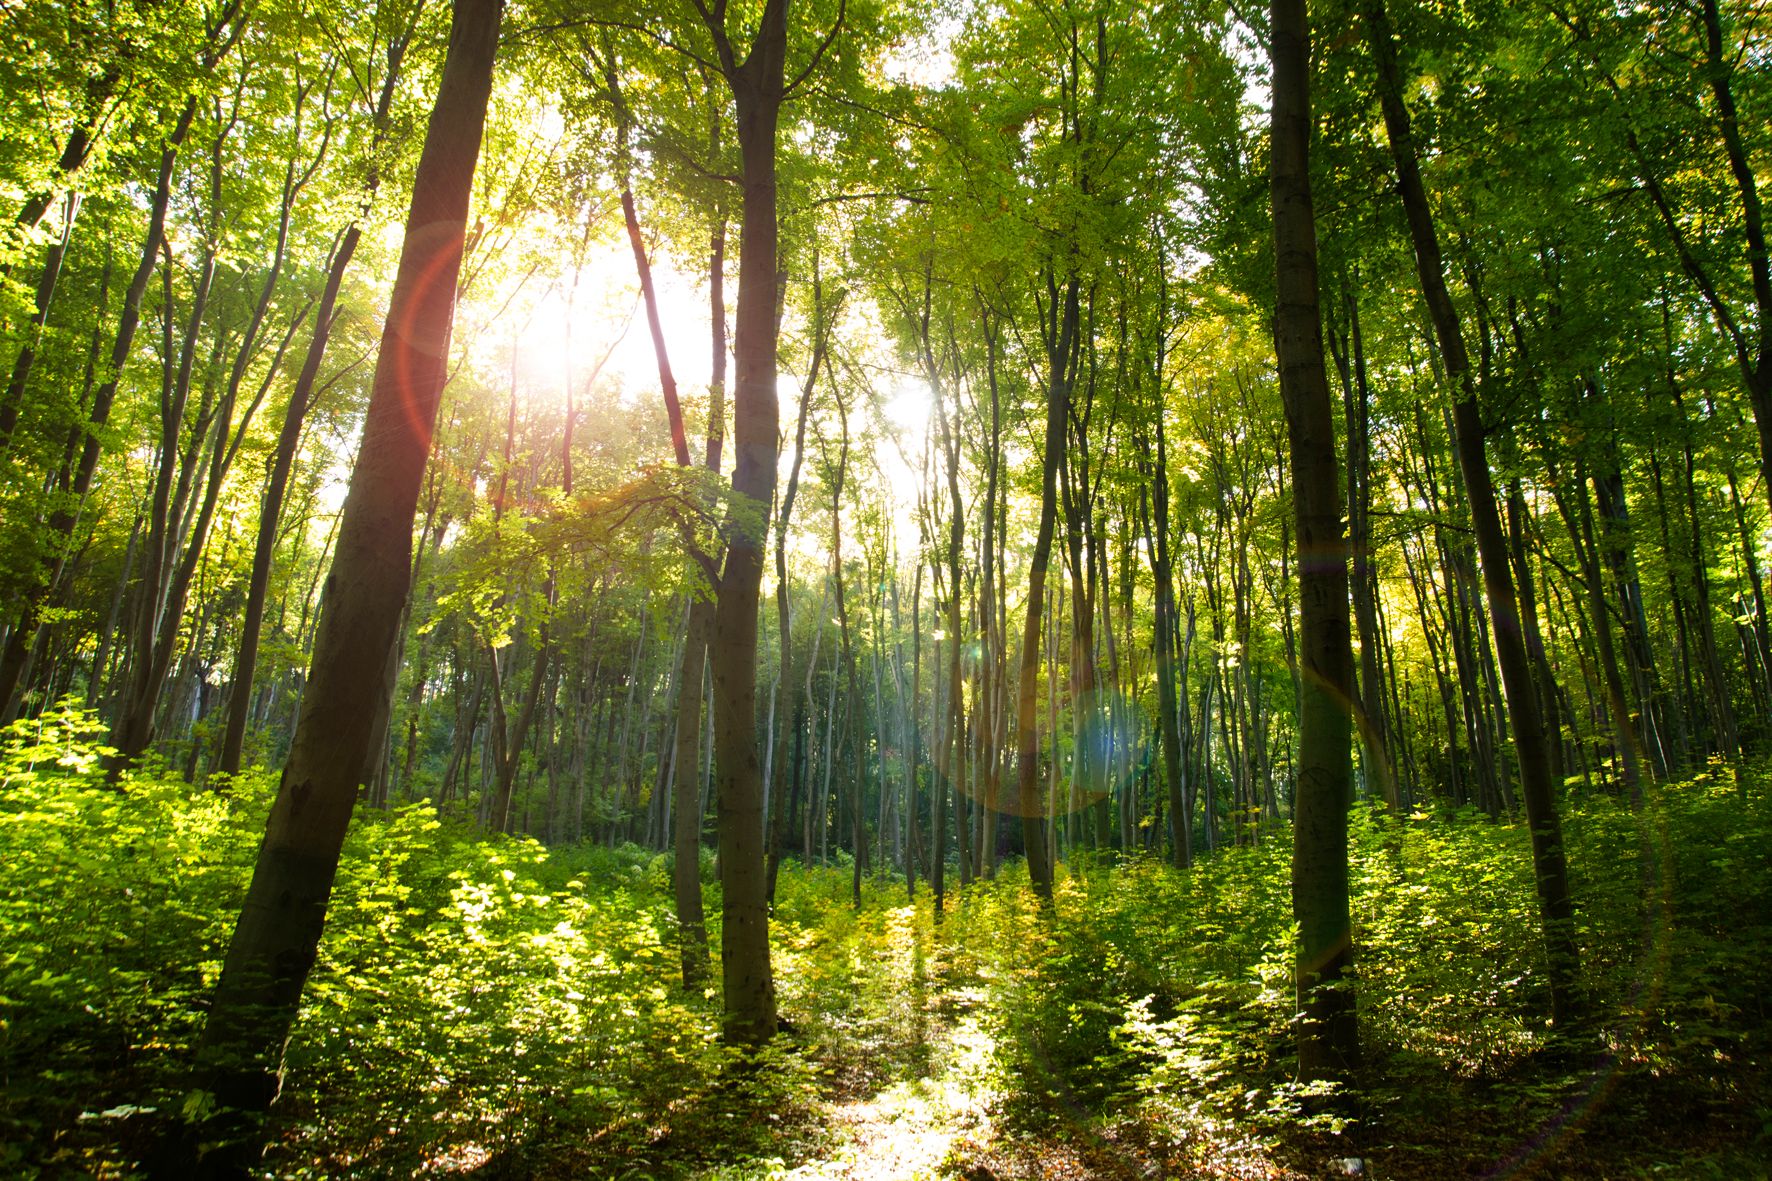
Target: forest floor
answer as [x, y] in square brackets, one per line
[903, 1089]
[890, 1076]
[504, 1012]
[897, 1066]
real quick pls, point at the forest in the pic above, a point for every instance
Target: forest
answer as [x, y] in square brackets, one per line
[857, 589]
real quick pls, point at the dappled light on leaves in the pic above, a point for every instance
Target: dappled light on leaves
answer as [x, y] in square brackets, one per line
[961, 592]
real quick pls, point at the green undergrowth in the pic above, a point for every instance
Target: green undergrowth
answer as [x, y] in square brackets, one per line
[1150, 1016]
[497, 1008]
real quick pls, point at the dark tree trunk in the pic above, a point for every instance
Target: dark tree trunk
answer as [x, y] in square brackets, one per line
[508, 739]
[1550, 865]
[275, 942]
[1579, 519]
[1328, 1035]
[1181, 838]
[1061, 334]
[1379, 763]
[686, 813]
[784, 617]
[758, 86]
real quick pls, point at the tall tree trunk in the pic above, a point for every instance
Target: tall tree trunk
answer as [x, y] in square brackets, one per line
[937, 870]
[1614, 536]
[1328, 1035]
[846, 656]
[133, 728]
[1060, 328]
[239, 1056]
[507, 748]
[686, 812]
[1755, 356]
[1518, 524]
[778, 818]
[1579, 519]
[989, 759]
[758, 88]
[1181, 837]
[1550, 865]
[1379, 763]
[951, 773]
[685, 786]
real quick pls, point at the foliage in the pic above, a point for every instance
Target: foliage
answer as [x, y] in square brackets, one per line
[501, 1005]
[469, 995]
[1160, 1001]
[114, 904]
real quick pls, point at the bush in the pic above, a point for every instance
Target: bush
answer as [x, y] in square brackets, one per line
[470, 994]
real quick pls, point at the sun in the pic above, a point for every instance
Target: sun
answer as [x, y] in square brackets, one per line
[584, 325]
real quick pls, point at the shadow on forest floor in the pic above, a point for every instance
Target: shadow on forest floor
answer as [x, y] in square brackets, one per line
[895, 1066]
[500, 1010]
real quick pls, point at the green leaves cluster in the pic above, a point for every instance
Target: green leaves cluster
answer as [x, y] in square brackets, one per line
[1162, 1000]
[469, 994]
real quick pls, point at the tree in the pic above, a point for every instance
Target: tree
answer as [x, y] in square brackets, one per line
[758, 84]
[1550, 864]
[1328, 1037]
[278, 934]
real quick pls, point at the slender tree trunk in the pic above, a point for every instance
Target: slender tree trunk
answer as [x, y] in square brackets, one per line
[1579, 519]
[686, 808]
[686, 812]
[1378, 763]
[846, 655]
[1755, 356]
[1181, 836]
[1328, 1036]
[508, 749]
[1616, 541]
[1518, 518]
[991, 657]
[1550, 865]
[133, 729]
[951, 773]
[159, 629]
[239, 1056]
[1061, 333]
[779, 817]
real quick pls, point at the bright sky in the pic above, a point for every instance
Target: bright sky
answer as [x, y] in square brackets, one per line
[556, 323]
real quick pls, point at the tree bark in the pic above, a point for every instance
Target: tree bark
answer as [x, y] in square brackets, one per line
[1379, 763]
[686, 812]
[1550, 865]
[1328, 1034]
[758, 88]
[1061, 334]
[239, 1057]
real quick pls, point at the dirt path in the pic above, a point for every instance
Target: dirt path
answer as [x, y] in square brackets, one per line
[914, 1080]
[916, 1128]
[913, 1091]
